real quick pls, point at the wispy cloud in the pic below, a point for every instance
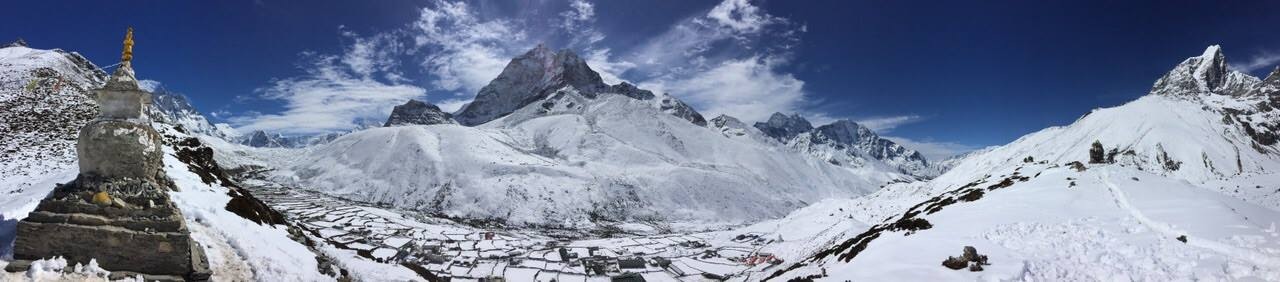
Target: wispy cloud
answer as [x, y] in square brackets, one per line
[464, 50]
[1262, 60]
[886, 124]
[730, 59]
[749, 89]
[336, 93]
[933, 150]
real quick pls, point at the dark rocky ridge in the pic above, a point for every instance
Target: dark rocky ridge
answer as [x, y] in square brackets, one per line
[417, 112]
[539, 73]
[783, 127]
[855, 141]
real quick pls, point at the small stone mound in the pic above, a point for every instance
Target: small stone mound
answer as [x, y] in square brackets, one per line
[969, 259]
[1077, 166]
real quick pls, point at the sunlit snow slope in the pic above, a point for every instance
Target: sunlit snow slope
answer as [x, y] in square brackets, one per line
[1186, 189]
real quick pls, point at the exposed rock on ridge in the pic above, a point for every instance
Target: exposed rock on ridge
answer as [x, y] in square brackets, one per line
[418, 112]
[539, 73]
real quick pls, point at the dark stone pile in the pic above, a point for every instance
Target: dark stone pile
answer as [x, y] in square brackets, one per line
[970, 259]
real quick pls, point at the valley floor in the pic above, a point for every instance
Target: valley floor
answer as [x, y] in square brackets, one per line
[381, 244]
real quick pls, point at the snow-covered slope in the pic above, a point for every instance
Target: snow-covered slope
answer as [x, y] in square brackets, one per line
[568, 157]
[612, 158]
[45, 97]
[1184, 188]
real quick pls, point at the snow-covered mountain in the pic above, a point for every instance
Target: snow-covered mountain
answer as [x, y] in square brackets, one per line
[45, 97]
[174, 108]
[540, 73]
[567, 156]
[845, 143]
[1183, 185]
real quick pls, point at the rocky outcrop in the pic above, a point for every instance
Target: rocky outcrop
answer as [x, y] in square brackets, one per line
[1207, 73]
[783, 127]
[16, 43]
[540, 73]
[117, 211]
[528, 78]
[419, 113]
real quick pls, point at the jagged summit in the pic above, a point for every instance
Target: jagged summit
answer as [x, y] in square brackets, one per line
[1207, 73]
[17, 43]
[261, 139]
[781, 126]
[539, 73]
[417, 112]
[1269, 86]
[845, 143]
[527, 78]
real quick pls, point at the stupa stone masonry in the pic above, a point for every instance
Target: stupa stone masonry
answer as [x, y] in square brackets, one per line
[117, 211]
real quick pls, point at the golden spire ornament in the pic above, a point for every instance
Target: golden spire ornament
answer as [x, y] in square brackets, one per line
[127, 55]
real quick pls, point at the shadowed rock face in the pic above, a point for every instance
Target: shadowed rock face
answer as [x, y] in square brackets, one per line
[528, 78]
[539, 73]
[784, 127]
[417, 112]
[1207, 73]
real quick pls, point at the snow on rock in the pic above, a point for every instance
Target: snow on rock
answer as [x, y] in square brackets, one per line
[57, 269]
[845, 143]
[45, 97]
[417, 112]
[267, 249]
[540, 73]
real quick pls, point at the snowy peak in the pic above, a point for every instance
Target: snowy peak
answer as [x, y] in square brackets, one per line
[846, 132]
[1204, 74]
[417, 112]
[261, 139]
[1269, 87]
[844, 143]
[17, 43]
[528, 78]
[783, 127]
[536, 77]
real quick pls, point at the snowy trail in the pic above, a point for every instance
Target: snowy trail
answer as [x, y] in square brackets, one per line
[1172, 232]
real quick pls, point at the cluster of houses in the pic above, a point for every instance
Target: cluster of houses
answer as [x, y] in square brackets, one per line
[444, 250]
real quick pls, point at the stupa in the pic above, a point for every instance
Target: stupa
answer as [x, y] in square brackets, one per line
[117, 211]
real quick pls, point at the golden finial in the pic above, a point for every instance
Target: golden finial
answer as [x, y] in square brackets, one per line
[128, 47]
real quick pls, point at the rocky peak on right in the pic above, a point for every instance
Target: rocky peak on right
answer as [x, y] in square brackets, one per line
[1207, 74]
[1269, 87]
[783, 127]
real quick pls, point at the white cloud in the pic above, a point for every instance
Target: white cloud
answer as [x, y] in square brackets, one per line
[465, 51]
[1265, 59]
[886, 124]
[740, 16]
[750, 89]
[333, 95]
[932, 150]
[452, 105]
[579, 23]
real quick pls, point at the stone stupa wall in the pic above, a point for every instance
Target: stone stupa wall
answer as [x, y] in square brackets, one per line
[117, 211]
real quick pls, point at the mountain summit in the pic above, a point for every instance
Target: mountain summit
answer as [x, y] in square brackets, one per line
[527, 78]
[539, 73]
[1207, 73]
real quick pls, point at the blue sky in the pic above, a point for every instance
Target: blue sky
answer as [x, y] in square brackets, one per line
[942, 76]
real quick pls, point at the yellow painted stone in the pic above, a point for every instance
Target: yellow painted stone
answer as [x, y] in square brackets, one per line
[102, 198]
